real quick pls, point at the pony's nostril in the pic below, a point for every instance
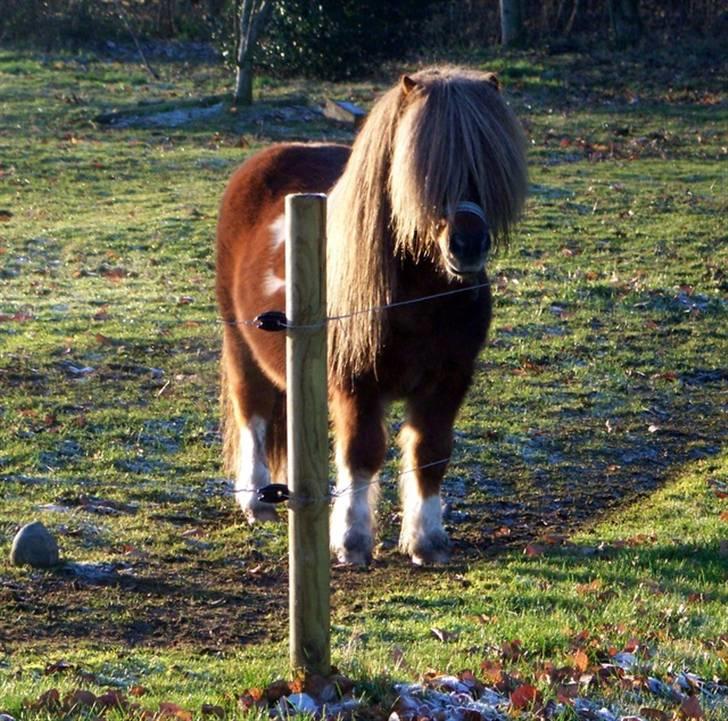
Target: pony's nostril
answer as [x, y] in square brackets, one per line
[458, 244]
[464, 245]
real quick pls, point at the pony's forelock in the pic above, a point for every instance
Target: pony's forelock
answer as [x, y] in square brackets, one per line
[457, 140]
[420, 152]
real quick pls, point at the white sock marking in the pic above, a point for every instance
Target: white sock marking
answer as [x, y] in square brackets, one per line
[352, 509]
[252, 469]
[421, 517]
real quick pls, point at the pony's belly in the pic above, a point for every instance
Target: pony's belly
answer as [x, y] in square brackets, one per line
[269, 351]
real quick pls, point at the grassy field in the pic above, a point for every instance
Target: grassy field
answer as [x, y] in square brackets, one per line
[588, 485]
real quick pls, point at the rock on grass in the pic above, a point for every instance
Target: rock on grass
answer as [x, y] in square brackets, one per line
[33, 545]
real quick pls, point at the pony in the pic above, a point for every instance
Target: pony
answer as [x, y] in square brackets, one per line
[435, 178]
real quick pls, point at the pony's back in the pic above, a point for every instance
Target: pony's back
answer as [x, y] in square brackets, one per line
[254, 200]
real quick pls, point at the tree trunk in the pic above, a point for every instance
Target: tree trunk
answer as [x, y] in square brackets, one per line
[626, 23]
[511, 13]
[244, 83]
[253, 16]
[572, 18]
[166, 26]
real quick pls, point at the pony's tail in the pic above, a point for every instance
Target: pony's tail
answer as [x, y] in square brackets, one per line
[275, 440]
[228, 427]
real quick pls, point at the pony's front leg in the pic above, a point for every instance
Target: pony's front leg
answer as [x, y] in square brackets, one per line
[426, 442]
[360, 449]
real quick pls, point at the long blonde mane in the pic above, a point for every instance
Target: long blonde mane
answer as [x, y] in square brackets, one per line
[427, 144]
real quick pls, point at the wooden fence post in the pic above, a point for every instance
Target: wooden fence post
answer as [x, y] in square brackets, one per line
[308, 454]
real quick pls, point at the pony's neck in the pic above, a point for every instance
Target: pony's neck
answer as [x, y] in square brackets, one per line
[414, 279]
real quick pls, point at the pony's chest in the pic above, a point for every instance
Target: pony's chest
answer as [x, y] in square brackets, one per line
[425, 343]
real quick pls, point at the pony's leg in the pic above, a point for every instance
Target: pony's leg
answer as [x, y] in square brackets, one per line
[248, 402]
[426, 442]
[360, 448]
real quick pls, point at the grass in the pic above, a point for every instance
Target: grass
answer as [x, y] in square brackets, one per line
[592, 439]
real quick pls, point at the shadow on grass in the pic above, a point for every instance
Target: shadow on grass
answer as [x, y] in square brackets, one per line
[102, 604]
[575, 472]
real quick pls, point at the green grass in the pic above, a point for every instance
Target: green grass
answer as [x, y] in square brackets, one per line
[596, 413]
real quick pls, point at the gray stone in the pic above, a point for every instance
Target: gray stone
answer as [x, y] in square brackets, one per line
[33, 545]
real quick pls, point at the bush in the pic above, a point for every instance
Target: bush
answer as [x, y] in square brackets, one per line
[337, 39]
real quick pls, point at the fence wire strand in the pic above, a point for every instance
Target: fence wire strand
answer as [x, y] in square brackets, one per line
[22, 316]
[351, 488]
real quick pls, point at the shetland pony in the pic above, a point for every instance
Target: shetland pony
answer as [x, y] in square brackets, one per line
[436, 176]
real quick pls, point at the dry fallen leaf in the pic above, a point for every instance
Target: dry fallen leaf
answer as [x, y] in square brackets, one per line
[484, 618]
[654, 714]
[115, 699]
[272, 692]
[525, 696]
[79, 699]
[511, 650]
[251, 699]
[297, 685]
[591, 587]
[169, 710]
[534, 549]
[581, 661]
[212, 710]
[567, 691]
[492, 672]
[690, 708]
[19, 317]
[48, 701]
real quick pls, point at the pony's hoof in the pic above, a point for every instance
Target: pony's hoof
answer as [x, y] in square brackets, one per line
[355, 550]
[360, 559]
[261, 513]
[431, 549]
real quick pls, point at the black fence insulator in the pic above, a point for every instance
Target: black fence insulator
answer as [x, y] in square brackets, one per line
[272, 320]
[274, 493]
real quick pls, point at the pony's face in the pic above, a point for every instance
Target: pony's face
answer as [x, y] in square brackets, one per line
[457, 175]
[464, 241]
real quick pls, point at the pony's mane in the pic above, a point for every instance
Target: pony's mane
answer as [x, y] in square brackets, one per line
[426, 145]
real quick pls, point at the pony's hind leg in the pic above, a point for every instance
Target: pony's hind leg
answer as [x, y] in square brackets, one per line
[360, 449]
[426, 442]
[248, 401]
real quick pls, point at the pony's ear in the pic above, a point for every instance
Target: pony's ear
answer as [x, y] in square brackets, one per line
[492, 78]
[407, 84]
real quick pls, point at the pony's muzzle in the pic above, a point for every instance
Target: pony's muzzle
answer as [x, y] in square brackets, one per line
[468, 242]
[467, 252]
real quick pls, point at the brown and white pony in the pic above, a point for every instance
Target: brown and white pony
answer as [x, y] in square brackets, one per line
[435, 177]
